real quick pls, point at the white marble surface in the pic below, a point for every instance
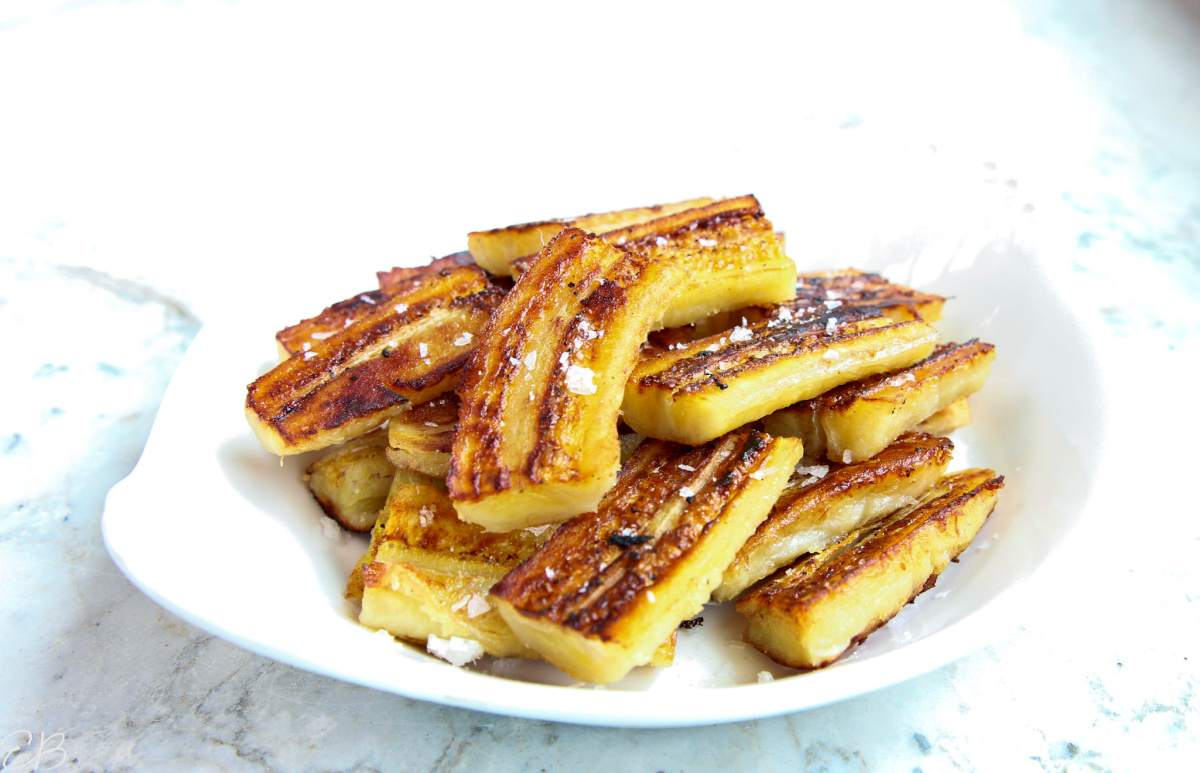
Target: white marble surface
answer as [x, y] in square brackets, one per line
[161, 163]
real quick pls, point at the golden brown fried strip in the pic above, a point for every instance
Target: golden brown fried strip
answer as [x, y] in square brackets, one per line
[851, 287]
[409, 349]
[420, 439]
[822, 504]
[352, 482]
[729, 254]
[855, 421]
[708, 387]
[537, 431]
[498, 249]
[812, 612]
[610, 585]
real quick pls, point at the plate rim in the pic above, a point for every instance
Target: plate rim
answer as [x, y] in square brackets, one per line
[609, 708]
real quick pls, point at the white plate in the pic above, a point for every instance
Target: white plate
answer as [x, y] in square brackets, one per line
[217, 531]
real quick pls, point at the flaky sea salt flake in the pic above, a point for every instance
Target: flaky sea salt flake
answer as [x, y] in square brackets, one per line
[580, 380]
[477, 606]
[739, 334]
[455, 651]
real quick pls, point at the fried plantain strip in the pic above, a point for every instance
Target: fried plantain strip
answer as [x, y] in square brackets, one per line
[707, 387]
[351, 483]
[851, 287]
[857, 420]
[537, 430]
[610, 585]
[420, 439]
[498, 249]
[822, 504]
[808, 615]
[409, 349]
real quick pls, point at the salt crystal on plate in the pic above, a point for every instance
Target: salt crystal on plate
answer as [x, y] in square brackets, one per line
[456, 651]
[330, 529]
[686, 492]
[531, 359]
[463, 339]
[422, 349]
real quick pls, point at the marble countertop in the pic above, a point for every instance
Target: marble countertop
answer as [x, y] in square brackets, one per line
[163, 163]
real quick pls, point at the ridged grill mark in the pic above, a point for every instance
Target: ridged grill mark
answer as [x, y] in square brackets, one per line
[596, 577]
[860, 288]
[899, 460]
[375, 363]
[769, 341]
[946, 358]
[803, 583]
[503, 431]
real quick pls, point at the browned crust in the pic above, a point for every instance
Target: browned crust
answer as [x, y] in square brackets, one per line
[945, 359]
[568, 221]
[852, 287]
[702, 218]
[332, 320]
[339, 379]
[861, 636]
[601, 283]
[770, 340]
[809, 580]
[901, 459]
[602, 562]
[441, 412]
[724, 213]
[337, 317]
[394, 279]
